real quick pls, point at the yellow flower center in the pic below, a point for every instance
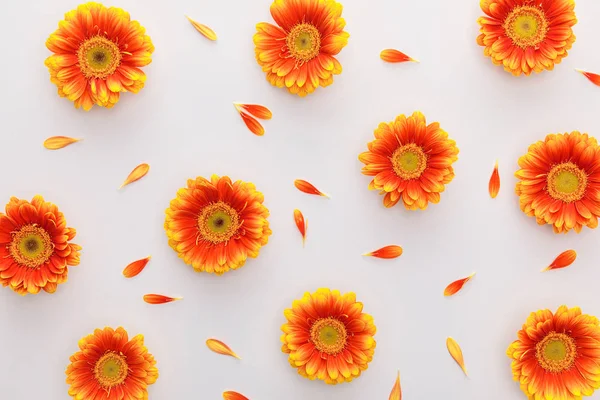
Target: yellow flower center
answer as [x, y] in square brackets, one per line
[31, 246]
[329, 335]
[98, 57]
[526, 26]
[566, 182]
[409, 161]
[304, 42]
[556, 352]
[218, 222]
[111, 369]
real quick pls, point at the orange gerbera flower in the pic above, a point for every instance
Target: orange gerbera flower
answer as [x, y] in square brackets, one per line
[34, 246]
[97, 55]
[560, 181]
[299, 53]
[410, 160]
[111, 367]
[215, 225]
[527, 35]
[328, 337]
[557, 356]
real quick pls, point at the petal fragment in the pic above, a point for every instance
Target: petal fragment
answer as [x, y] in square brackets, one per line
[219, 347]
[203, 29]
[457, 285]
[395, 56]
[308, 188]
[391, 251]
[231, 395]
[252, 124]
[396, 393]
[494, 185]
[138, 173]
[58, 142]
[301, 223]
[159, 299]
[135, 267]
[456, 353]
[260, 112]
[594, 78]
[563, 260]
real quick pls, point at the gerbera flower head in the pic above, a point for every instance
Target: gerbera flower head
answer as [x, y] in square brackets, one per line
[216, 225]
[328, 337]
[34, 246]
[109, 366]
[410, 161]
[557, 355]
[527, 35]
[298, 54]
[559, 181]
[98, 53]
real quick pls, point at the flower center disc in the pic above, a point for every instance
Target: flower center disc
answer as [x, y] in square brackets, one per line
[409, 161]
[556, 352]
[526, 26]
[31, 246]
[218, 222]
[111, 369]
[566, 182]
[98, 57]
[329, 335]
[304, 42]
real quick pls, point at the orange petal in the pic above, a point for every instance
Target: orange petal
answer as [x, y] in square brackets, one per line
[456, 286]
[231, 395]
[301, 223]
[563, 260]
[456, 353]
[308, 188]
[396, 393]
[594, 78]
[252, 124]
[58, 142]
[203, 29]
[219, 347]
[159, 299]
[494, 185]
[135, 267]
[138, 173]
[395, 56]
[260, 112]
[391, 251]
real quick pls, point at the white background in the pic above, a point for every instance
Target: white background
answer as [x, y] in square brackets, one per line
[184, 125]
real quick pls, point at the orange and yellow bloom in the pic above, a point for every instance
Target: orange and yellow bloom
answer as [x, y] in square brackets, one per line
[527, 35]
[215, 225]
[109, 366]
[34, 246]
[410, 161]
[299, 53]
[559, 181]
[98, 52]
[557, 356]
[328, 337]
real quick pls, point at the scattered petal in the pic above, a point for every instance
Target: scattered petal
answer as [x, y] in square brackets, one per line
[396, 393]
[58, 142]
[219, 347]
[494, 185]
[308, 188]
[563, 260]
[260, 112]
[391, 251]
[231, 395]
[395, 56]
[138, 173]
[252, 124]
[159, 299]
[456, 353]
[594, 78]
[135, 267]
[301, 223]
[457, 285]
[203, 29]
